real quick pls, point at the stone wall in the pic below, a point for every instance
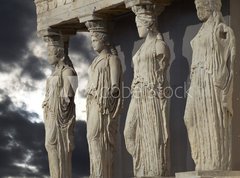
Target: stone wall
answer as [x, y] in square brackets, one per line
[234, 22]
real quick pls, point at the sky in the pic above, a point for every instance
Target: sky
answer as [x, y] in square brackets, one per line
[23, 73]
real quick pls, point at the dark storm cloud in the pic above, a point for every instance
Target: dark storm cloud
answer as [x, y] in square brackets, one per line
[34, 67]
[19, 138]
[18, 21]
[81, 44]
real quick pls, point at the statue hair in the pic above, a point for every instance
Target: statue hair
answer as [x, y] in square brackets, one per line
[102, 36]
[60, 53]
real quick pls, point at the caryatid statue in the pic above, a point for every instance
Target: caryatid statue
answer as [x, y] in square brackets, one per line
[59, 109]
[208, 115]
[146, 129]
[104, 101]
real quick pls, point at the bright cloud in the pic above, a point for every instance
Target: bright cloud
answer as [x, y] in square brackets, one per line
[28, 93]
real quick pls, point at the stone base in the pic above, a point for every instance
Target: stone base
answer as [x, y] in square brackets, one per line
[209, 174]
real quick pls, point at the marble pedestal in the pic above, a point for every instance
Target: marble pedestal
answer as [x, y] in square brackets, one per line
[209, 174]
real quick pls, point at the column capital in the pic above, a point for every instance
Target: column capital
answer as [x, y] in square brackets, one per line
[103, 25]
[97, 25]
[57, 33]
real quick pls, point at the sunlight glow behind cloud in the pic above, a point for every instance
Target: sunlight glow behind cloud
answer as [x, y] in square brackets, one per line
[28, 93]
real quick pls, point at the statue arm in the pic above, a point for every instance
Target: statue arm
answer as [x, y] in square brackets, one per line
[162, 48]
[226, 38]
[115, 75]
[115, 70]
[163, 54]
[163, 57]
[67, 93]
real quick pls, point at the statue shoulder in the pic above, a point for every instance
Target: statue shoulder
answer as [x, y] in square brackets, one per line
[114, 59]
[223, 31]
[68, 71]
[162, 48]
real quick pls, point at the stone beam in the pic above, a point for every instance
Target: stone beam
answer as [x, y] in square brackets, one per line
[65, 14]
[130, 3]
[51, 14]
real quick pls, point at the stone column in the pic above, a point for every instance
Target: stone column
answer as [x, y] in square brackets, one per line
[209, 109]
[147, 129]
[59, 107]
[104, 102]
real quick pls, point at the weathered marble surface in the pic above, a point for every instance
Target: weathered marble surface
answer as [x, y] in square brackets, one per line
[56, 12]
[59, 110]
[104, 101]
[208, 114]
[146, 130]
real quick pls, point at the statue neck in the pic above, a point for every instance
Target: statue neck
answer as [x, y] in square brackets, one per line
[152, 35]
[59, 65]
[209, 21]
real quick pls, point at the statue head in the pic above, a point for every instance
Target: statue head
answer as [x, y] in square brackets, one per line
[206, 8]
[100, 41]
[55, 49]
[146, 18]
[99, 36]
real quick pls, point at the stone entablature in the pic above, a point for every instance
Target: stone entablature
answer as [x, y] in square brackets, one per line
[66, 14]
